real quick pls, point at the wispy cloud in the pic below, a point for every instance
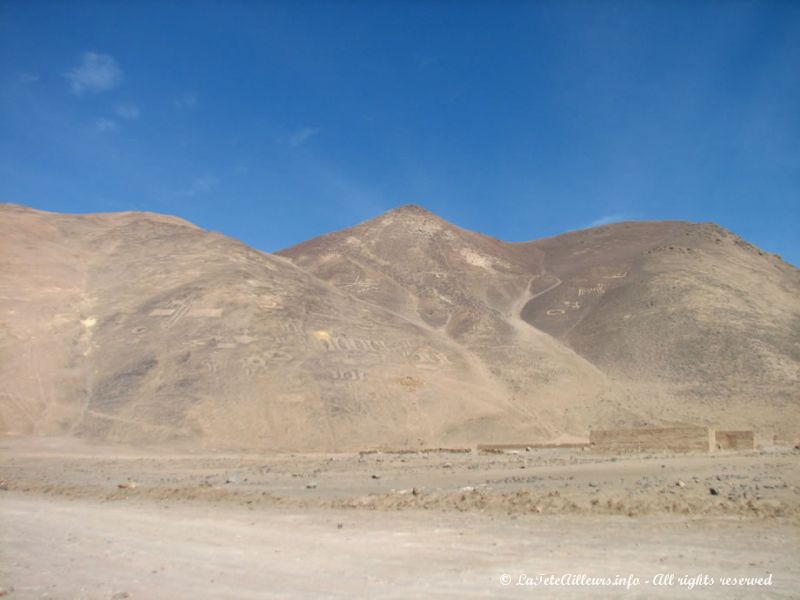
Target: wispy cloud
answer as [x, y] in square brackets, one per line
[95, 73]
[186, 100]
[198, 186]
[242, 167]
[27, 78]
[608, 219]
[127, 111]
[105, 125]
[298, 138]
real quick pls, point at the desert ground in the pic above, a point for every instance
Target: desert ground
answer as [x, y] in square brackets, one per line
[183, 416]
[83, 520]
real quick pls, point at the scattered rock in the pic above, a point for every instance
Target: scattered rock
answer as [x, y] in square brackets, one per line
[127, 485]
[3, 484]
[339, 525]
[680, 484]
[713, 491]
[311, 485]
[120, 596]
[376, 476]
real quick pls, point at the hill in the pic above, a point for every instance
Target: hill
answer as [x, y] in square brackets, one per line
[402, 331]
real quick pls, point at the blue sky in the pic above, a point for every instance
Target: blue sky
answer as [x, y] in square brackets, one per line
[276, 122]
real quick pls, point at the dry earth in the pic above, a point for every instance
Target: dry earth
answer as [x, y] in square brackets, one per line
[88, 521]
[165, 374]
[404, 331]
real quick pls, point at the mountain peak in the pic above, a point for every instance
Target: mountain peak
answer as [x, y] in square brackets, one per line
[411, 209]
[413, 214]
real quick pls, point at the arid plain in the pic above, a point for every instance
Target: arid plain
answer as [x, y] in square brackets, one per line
[184, 416]
[91, 521]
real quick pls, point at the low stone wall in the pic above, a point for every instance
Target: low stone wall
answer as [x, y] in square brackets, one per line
[417, 451]
[652, 439]
[500, 448]
[735, 440]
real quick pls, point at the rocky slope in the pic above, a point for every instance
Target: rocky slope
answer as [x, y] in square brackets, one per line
[402, 331]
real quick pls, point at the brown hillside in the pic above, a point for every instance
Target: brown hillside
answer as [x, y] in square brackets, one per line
[404, 330]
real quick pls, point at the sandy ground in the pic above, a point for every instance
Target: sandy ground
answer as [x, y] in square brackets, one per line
[392, 525]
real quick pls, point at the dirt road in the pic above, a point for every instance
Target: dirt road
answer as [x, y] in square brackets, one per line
[76, 549]
[394, 526]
